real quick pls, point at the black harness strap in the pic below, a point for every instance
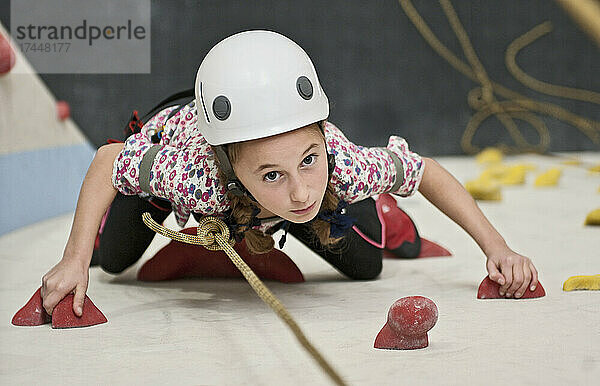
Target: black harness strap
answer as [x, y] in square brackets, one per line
[180, 95]
[134, 121]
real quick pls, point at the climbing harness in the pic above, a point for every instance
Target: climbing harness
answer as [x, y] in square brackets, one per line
[136, 123]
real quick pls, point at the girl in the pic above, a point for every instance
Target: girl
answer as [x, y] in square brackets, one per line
[255, 148]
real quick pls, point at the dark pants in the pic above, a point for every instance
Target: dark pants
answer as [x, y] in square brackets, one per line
[125, 238]
[352, 256]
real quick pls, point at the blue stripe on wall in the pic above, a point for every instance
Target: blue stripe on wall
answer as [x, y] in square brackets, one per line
[40, 184]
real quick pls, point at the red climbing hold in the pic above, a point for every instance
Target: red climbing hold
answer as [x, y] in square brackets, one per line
[428, 249]
[408, 321]
[180, 260]
[431, 249]
[64, 317]
[63, 110]
[7, 55]
[489, 289]
[34, 314]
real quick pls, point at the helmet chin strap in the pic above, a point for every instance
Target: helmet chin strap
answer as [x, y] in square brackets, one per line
[330, 157]
[233, 184]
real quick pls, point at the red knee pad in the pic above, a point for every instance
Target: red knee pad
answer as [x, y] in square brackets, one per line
[180, 260]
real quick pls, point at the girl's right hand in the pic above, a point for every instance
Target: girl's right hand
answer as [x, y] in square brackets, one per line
[69, 275]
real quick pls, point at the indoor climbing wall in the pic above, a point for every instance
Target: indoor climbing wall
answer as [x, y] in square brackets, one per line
[43, 154]
[493, 99]
[379, 71]
[456, 81]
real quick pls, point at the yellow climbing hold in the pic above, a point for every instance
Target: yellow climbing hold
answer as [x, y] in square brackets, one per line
[489, 155]
[572, 162]
[515, 176]
[593, 218]
[484, 189]
[494, 172]
[594, 169]
[591, 282]
[507, 174]
[548, 178]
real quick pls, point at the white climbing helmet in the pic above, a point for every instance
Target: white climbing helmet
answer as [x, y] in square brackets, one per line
[255, 84]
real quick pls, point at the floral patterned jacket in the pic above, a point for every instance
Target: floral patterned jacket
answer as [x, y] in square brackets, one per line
[183, 170]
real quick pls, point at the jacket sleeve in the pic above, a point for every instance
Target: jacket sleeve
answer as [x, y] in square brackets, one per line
[362, 172]
[125, 173]
[183, 173]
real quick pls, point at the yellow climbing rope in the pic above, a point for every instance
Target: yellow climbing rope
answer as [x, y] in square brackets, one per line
[213, 234]
[546, 88]
[517, 106]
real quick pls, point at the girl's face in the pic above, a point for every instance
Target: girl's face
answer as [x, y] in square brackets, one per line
[286, 173]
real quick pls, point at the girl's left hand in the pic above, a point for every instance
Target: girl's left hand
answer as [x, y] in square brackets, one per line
[513, 272]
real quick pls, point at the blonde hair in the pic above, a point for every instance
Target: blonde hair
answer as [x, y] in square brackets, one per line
[242, 208]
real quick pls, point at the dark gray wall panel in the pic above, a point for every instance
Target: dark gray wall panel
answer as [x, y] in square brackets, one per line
[380, 75]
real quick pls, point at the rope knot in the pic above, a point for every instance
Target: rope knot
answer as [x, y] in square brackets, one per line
[208, 228]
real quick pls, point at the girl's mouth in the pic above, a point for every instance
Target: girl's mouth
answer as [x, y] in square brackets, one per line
[305, 210]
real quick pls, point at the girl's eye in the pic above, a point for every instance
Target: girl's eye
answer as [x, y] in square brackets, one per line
[271, 176]
[309, 160]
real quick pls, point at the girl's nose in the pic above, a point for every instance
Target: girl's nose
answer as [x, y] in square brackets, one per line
[298, 189]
